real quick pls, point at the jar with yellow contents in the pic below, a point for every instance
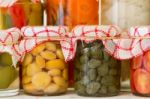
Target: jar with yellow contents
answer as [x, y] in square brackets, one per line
[44, 70]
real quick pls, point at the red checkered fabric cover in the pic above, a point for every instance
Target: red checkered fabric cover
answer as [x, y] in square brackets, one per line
[36, 35]
[128, 48]
[123, 48]
[7, 3]
[91, 33]
[9, 40]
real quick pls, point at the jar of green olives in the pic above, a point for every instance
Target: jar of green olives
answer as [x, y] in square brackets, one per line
[96, 73]
[9, 59]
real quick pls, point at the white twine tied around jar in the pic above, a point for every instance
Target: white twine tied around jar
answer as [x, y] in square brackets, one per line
[34, 36]
[9, 40]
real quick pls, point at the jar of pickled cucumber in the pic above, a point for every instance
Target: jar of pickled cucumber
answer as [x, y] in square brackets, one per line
[140, 75]
[44, 70]
[21, 13]
[96, 73]
[9, 62]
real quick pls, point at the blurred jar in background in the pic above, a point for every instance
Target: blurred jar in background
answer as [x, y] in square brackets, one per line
[20, 14]
[56, 11]
[82, 12]
[125, 14]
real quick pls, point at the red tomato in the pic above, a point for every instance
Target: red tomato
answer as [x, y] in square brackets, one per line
[18, 15]
[137, 62]
[142, 81]
[147, 61]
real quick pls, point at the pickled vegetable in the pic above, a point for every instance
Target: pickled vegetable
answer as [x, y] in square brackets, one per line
[140, 75]
[87, 10]
[45, 71]
[96, 73]
[20, 14]
[56, 11]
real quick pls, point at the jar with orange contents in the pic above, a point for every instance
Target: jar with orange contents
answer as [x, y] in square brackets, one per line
[82, 12]
[140, 75]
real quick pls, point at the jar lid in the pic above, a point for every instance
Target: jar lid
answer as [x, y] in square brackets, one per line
[136, 44]
[44, 31]
[32, 36]
[9, 40]
[90, 33]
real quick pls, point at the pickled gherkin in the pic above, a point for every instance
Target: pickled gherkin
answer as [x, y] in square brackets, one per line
[96, 72]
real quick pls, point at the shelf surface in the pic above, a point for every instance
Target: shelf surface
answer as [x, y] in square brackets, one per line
[71, 95]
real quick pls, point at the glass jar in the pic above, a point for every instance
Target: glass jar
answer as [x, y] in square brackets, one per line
[140, 75]
[21, 14]
[56, 11]
[125, 13]
[96, 72]
[9, 62]
[82, 12]
[45, 71]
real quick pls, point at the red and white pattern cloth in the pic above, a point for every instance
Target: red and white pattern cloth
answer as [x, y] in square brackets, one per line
[129, 48]
[9, 40]
[91, 33]
[36, 35]
[8, 3]
[119, 48]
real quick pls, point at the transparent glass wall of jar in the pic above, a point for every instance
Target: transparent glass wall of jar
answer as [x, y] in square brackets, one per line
[125, 14]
